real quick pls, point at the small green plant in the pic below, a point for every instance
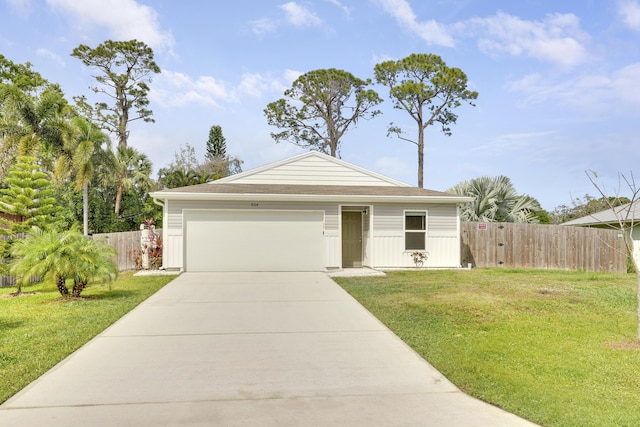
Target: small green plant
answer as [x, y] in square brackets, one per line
[419, 257]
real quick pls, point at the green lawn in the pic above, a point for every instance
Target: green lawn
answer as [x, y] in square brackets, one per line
[555, 347]
[37, 331]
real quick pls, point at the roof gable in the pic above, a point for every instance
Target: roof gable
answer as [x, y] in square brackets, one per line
[312, 168]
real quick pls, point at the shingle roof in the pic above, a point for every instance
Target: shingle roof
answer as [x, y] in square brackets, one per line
[626, 212]
[230, 188]
[291, 192]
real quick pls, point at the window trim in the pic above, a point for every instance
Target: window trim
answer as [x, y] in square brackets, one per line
[415, 212]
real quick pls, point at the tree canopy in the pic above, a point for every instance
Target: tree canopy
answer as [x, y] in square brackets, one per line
[495, 200]
[429, 90]
[71, 152]
[586, 205]
[125, 69]
[20, 75]
[320, 107]
[185, 169]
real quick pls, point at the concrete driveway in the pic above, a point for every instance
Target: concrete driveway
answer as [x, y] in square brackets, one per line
[248, 349]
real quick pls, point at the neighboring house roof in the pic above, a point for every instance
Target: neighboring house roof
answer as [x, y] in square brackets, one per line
[312, 176]
[628, 212]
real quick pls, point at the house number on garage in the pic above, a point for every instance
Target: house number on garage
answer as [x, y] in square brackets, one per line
[254, 204]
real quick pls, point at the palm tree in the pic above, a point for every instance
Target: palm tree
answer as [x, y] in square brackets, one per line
[59, 256]
[45, 253]
[495, 200]
[175, 178]
[130, 168]
[32, 125]
[94, 261]
[79, 150]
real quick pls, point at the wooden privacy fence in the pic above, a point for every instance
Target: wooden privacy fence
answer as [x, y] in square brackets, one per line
[540, 246]
[124, 243]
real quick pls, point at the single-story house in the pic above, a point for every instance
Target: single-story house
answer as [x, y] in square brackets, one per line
[310, 212]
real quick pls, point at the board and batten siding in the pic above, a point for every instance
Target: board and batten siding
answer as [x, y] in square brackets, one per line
[174, 221]
[313, 171]
[443, 242]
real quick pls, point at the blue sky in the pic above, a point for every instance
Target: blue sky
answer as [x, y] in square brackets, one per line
[558, 82]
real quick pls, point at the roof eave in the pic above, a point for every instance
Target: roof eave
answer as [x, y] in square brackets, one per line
[310, 197]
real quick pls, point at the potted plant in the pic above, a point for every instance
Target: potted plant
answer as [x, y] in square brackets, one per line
[419, 257]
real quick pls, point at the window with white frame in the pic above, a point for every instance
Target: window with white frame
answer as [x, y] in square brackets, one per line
[415, 230]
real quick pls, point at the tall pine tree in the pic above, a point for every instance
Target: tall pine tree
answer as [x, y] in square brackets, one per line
[216, 144]
[28, 199]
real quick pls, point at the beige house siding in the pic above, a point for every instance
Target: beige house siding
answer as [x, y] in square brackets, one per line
[443, 242]
[311, 170]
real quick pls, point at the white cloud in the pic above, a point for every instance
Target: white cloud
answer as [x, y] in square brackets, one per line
[431, 31]
[263, 26]
[291, 75]
[124, 19]
[513, 142]
[629, 11]
[177, 89]
[625, 84]
[557, 38]
[599, 95]
[21, 7]
[299, 15]
[51, 56]
[345, 9]
[255, 84]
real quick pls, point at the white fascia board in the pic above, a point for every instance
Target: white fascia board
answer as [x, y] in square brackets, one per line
[312, 198]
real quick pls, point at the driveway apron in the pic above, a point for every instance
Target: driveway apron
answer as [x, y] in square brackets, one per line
[248, 349]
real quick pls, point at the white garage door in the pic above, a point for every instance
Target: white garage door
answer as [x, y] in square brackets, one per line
[221, 240]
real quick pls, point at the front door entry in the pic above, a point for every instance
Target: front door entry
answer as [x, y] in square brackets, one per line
[351, 239]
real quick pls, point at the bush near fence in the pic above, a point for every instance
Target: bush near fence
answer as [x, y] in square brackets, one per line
[125, 243]
[541, 246]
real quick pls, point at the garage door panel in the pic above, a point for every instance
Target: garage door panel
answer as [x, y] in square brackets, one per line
[254, 240]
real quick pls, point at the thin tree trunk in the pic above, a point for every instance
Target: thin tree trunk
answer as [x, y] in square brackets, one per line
[62, 288]
[78, 287]
[421, 158]
[85, 208]
[118, 198]
[420, 145]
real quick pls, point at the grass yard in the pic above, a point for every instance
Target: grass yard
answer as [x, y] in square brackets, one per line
[555, 347]
[37, 331]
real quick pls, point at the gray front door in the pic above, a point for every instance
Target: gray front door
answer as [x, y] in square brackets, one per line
[351, 239]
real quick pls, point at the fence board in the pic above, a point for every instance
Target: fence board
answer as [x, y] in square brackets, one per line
[124, 243]
[542, 246]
